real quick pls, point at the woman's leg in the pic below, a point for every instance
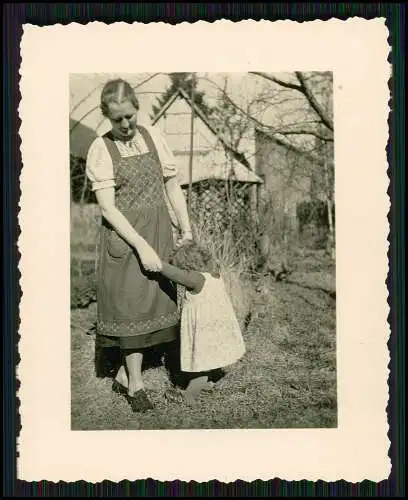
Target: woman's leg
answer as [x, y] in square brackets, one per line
[121, 376]
[134, 361]
[136, 395]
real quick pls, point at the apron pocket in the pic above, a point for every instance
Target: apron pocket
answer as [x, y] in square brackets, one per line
[117, 246]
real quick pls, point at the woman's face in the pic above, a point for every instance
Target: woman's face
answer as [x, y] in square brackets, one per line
[123, 118]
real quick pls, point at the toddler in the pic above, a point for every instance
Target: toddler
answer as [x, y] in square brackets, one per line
[210, 336]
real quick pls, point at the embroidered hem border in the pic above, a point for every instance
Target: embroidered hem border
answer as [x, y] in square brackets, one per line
[124, 327]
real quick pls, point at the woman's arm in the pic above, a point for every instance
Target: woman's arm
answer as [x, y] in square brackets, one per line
[178, 202]
[173, 190]
[106, 201]
[192, 280]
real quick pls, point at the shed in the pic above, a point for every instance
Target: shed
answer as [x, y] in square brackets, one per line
[291, 178]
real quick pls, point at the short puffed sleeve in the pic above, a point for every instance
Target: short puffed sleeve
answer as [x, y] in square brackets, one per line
[99, 166]
[166, 156]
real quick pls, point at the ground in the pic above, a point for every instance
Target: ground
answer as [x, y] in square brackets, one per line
[287, 378]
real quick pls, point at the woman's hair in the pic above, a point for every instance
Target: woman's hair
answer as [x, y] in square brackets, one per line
[117, 91]
[191, 257]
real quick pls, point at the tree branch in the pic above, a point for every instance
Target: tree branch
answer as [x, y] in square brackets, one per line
[282, 83]
[261, 125]
[304, 89]
[305, 132]
[313, 102]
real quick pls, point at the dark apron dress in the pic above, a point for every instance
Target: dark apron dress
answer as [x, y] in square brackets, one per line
[136, 309]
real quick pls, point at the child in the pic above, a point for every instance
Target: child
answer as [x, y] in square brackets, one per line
[210, 334]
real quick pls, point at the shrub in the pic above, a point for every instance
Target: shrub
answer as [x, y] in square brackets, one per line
[80, 185]
[234, 256]
[315, 213]
[83, 291]
[240, 292]
[85, 226]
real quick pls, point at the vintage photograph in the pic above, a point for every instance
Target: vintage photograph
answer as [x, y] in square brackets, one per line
[203, 251]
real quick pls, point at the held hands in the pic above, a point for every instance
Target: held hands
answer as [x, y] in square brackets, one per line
[150, 259]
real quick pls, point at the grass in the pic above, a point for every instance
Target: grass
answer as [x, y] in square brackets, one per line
[287, 378]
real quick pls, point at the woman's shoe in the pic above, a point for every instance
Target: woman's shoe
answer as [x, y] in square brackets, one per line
[139, 402]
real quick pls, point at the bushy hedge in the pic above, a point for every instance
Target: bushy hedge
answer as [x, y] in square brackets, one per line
[314, 213]
[83, 290]
[80, 185]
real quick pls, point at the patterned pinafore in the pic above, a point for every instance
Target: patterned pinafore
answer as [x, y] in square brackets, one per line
[136, 308]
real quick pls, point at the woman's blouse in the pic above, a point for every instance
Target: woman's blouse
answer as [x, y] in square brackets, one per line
[99, 165]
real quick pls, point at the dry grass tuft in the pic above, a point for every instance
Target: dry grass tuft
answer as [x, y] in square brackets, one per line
[240, 291]
[233, 264]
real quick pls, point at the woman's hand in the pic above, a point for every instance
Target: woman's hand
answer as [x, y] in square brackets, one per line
[150, 259]
[178, 203]
[185, 239]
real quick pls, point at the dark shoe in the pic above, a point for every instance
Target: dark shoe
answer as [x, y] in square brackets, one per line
[119, 388]
[139, 402]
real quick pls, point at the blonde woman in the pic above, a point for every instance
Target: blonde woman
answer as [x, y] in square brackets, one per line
[130, 169]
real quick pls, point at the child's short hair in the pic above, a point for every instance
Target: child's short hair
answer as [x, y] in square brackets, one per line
[191, 257]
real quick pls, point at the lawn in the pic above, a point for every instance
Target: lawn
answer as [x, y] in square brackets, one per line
[287, 378]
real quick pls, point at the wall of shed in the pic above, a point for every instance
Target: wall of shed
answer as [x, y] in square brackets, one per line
[289, 179]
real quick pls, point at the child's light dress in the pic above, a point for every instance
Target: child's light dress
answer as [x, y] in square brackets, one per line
[210, 334]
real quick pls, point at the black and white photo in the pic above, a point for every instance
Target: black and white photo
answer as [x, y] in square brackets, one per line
[203, 251]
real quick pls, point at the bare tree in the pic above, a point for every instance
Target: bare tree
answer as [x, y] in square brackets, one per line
[328, 169]
[307, 90]
[317, 93]
[296, 110]
[234, 125]
[292, 110]
[231, 121]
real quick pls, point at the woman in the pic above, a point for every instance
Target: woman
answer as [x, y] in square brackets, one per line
[130, 169]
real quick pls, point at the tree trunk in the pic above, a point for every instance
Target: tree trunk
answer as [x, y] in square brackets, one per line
[190, 166]
[329, 203]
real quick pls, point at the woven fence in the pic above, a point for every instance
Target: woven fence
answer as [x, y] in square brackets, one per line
[220, 205]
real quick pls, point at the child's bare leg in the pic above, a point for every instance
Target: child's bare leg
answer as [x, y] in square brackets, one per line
[195, 386]
[198, 382]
